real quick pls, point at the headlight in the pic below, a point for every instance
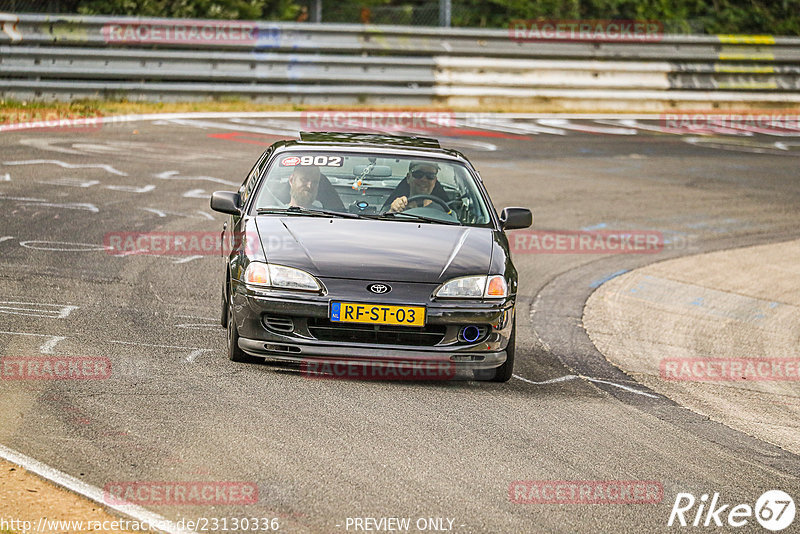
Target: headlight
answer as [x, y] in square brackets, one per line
[279, 277]
[474, 287]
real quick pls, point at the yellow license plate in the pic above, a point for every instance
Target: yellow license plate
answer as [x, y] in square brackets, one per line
[358, 312]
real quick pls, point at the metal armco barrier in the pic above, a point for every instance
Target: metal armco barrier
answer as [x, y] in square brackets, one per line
[58, 57]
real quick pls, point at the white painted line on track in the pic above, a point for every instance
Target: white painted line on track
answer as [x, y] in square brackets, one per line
[40, 309]
[175, 175]
[590, 379]
[131, 188]
[137, 513]
[195, 353]
[24, 334]
[196, 193]
[69, 206]
[5, 177]
[6, 238]
[153, 210]
[107, 168]
[63, 246]
[155, 345]
[187, 259]
[551, 381]
[70, 182]
[48, 346]
[621, 386]
[24, 199]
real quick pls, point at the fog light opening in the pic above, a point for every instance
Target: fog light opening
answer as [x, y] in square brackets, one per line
[470, 333]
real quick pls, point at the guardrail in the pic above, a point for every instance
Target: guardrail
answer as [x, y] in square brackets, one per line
[44, 56]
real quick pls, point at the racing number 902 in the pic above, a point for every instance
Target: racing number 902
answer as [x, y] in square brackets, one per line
[321, 161]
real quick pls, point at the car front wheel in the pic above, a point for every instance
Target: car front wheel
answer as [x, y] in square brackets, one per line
[235, 354]
[504, 372]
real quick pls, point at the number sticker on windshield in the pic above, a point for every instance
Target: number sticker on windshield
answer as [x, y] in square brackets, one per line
[318, 161]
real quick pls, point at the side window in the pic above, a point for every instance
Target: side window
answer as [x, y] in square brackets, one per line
[252, 179]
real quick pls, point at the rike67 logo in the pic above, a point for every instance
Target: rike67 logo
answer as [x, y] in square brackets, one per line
[774, 510]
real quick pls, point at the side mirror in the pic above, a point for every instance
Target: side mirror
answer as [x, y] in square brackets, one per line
[516, 218]
[226, 202]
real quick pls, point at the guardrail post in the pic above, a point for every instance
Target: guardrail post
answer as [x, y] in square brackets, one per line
[445, 10]
[316, 11]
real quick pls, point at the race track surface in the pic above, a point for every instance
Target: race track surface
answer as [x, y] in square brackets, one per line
[323, 451]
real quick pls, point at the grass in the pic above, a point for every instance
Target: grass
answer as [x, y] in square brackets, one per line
[21, 111]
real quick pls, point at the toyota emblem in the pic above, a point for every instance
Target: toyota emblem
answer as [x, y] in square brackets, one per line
[380, 289]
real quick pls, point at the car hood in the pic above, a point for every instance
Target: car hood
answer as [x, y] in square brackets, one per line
[376, 250]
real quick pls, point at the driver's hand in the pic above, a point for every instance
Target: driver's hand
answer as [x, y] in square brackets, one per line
[399, 204]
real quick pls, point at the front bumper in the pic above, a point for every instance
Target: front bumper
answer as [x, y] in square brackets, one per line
[300, 344]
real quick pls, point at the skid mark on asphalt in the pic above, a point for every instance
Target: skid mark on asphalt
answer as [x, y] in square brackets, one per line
[589, 379]
[107, 168]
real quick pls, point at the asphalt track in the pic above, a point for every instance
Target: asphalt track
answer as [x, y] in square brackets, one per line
[322, 451]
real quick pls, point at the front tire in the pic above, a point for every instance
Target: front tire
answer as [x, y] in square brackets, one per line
[223, 318]
[505, 371]
[235, 354]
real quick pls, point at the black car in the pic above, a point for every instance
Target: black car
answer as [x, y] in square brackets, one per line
[369, 249]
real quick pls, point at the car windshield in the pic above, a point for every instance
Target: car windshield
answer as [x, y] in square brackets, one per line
[373, 185]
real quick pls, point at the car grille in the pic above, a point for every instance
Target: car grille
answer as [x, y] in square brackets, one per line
[325, 330]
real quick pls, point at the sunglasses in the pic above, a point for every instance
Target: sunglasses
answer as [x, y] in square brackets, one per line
[420, 174]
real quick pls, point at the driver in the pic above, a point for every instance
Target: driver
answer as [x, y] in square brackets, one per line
[421, 179]
[304, 184]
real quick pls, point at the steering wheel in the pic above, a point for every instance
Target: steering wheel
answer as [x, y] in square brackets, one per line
[436, 200]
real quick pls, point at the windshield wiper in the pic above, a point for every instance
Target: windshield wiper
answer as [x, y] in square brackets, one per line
[297, 210]
[413, 216]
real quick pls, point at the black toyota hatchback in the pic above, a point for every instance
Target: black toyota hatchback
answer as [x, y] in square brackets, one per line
[355, 249]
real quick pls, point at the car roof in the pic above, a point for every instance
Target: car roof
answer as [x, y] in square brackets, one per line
[369, 139]
[412, 145]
